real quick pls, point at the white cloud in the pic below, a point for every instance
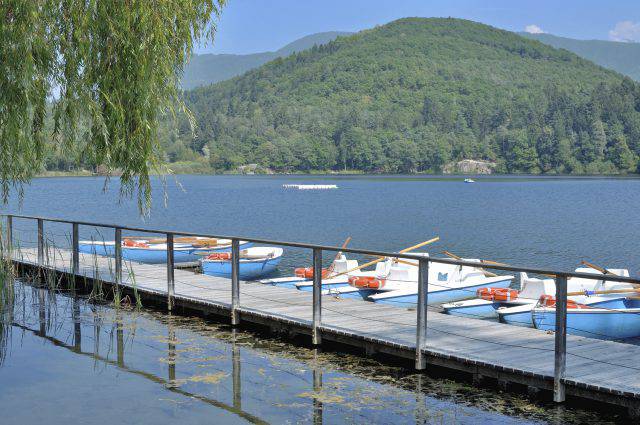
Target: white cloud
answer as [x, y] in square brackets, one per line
[625, 31]
[533, 29]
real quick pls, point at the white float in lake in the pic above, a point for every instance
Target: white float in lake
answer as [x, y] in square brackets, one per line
[310, 186]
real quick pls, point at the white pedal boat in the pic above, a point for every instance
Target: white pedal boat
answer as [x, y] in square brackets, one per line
[304, 276]
[397, 283]
[521, 315]
[514, 307]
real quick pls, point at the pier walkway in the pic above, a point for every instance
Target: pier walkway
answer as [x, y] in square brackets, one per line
[600, 370]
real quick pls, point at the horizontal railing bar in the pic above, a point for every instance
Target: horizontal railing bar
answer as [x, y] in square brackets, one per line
[408, 256]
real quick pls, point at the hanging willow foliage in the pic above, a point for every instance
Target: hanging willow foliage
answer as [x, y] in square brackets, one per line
[115, 66]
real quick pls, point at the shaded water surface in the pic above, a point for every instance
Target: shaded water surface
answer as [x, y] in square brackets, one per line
[66, 360]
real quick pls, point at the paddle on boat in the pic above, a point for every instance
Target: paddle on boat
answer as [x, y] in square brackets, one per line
[254, 262]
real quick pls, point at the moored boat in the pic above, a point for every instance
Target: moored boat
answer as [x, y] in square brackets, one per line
[521, 315]
[254, 262]
[334, 276]
[154, 251]
[446, 283]
[491, 301]
[617, 318]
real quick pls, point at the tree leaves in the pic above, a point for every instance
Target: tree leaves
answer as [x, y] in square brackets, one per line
[116, 67]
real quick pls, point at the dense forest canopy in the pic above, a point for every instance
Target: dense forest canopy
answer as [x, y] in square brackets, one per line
[413, 95]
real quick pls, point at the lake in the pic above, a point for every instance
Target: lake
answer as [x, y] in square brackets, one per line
[64, 360]
[528, 221]
[91, 363]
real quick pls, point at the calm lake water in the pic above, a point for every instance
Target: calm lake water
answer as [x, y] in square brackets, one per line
[87, 363]
[542, 222]
[64, 360]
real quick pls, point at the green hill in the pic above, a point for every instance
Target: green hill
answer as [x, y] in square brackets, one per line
[210, 68]
[621, 57]
[416, 94]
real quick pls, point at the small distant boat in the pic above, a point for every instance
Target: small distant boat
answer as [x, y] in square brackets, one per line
[254, 262]
[469, 181]
[154, 250]
[310, 186]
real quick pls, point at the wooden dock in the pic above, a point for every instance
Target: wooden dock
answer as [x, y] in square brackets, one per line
[599, 370]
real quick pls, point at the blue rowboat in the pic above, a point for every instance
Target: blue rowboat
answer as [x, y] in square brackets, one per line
[254, 262]
[155, 253]
[612, 319]
[442, 293]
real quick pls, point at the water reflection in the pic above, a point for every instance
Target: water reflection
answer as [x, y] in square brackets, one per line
[195, 371]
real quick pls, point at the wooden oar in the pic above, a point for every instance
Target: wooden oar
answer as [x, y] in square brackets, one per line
[332, 266]
[370, 263]
[598, 268]
[454, 256]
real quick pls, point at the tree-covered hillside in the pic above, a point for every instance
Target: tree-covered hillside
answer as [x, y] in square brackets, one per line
[621, 57]
[414, 95]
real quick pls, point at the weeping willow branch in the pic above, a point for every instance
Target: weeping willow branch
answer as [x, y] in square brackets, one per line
[116, 68]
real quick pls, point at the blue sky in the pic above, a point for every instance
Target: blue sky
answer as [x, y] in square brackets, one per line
[250, 26]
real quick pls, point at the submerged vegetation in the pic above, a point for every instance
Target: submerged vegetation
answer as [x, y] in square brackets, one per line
[414, 95]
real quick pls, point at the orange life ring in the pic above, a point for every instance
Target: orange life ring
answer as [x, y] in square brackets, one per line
[219, 256]
[497, 294]
[307, 272]
[550, 301]
[134, 244]
[366, 282]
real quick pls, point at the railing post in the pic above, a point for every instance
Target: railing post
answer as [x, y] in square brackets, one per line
[40, 242]
[421, 321]
[317, 296]
[118, 254]
[171, 285]
[75, 250]
[561, 339]
[9, 235]
[235, 281]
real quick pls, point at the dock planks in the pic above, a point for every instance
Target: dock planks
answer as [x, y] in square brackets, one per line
[602, 370]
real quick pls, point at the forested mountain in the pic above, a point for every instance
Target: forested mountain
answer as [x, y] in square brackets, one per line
[621, 57]
[211, 68]
[414, 95]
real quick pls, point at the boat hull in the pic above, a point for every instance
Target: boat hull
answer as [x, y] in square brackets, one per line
[607, 320]
[441, 296]
[152, 255]
[478, 309]
[250, 269]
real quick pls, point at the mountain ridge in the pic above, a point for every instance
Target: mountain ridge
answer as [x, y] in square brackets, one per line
[211, 68]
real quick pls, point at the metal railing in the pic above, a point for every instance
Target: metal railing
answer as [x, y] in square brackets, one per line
[561, 277]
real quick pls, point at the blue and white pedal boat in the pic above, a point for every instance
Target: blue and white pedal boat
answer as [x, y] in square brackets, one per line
[140, 250]
[489, 307]
[521, 315]
[338, 276]
[614, 319]
[447, 283]
[254, 262]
